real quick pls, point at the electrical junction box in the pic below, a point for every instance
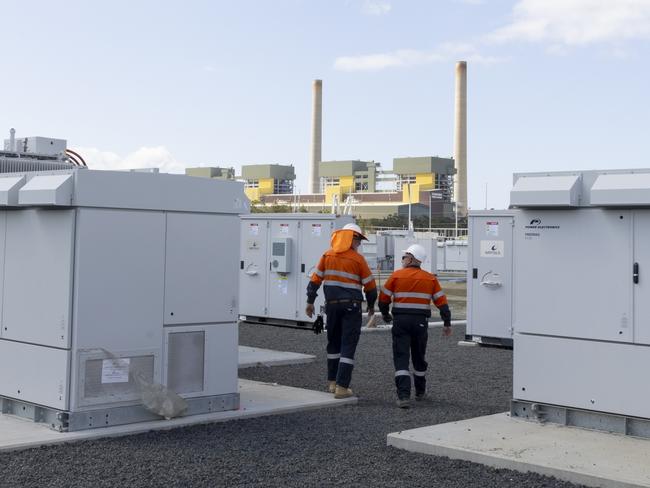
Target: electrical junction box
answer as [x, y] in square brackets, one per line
[489, 277]
[281, 254]
[37, 145]
[114, 282]
[267, 293]
[581, 308]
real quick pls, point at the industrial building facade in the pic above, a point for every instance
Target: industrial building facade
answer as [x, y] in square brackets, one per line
[423, 183]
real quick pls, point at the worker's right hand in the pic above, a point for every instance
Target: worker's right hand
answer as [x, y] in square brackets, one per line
[309, 310]
[446, 328]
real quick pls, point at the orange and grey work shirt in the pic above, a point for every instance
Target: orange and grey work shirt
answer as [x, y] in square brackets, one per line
[343, 274]
[412, 289]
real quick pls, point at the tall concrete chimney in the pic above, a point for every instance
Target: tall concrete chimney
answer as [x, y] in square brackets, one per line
[316, 135]
[12, 139]
[460, 139]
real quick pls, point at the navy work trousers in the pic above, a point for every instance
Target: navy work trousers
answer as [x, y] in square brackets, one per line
[410, 333]
[343, 331]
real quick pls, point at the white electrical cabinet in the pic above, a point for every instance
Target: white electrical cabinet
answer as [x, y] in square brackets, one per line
[278, 254]
[115, 280]
[582, 291]
[489, 277]
[456, 252]
[401, 243]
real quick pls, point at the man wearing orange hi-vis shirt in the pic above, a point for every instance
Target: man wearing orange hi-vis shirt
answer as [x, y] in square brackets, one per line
[412, 289]
[344, 273]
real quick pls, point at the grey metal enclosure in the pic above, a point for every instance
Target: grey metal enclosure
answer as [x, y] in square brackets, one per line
[489, 277]
[582, 292]
[278, 255]
[114, 282]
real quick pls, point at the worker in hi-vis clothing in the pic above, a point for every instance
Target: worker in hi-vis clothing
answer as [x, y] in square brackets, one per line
[343, 272]
[412, 289]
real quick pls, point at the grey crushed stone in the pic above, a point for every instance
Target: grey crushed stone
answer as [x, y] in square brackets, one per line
[343, 446]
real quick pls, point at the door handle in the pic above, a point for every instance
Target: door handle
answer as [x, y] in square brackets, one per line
[635, 273]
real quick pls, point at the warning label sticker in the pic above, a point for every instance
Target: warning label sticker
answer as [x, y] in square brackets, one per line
[115, 370]
[492, 229]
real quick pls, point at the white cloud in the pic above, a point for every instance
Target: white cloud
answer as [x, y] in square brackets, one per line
[577, 22]
[145, 157]
[411, 57]
[375, 7]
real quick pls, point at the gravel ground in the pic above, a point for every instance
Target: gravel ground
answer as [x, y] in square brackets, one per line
[343, 446]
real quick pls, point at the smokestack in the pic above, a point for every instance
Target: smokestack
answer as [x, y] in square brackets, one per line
[316, 135]
[460, 139]
[12, 139]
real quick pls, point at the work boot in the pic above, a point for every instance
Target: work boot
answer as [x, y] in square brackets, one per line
[405, 403]
[331, 386]
[421, 396]
[341, 392]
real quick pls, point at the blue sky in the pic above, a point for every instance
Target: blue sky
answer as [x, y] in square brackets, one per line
[552, 84]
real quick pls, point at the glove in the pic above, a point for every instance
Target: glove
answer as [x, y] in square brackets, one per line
[388, 318]
[318, 325]
[446, 323]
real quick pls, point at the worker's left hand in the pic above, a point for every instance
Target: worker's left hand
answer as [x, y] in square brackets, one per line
[309, 310]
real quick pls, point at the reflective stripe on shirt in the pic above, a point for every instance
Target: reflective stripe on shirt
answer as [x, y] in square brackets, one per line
[419, 306]
[412, 294]
[341, 284]
[386, 291]
[334, 272]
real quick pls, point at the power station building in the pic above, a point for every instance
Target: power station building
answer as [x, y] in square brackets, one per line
[259, 179]
[426, 183]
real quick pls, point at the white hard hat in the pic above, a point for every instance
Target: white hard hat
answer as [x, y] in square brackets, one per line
[356, 229]
[417, 251]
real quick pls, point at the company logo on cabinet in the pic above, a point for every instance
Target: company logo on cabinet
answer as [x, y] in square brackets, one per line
[537, 224]
[492, 249]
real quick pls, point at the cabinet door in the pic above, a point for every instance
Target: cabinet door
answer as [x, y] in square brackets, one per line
[572, 273]
[38, 274]
[283, 286]
[642, 288]
[314, 241]
[254, 268]
[201, 268]
[490, 286]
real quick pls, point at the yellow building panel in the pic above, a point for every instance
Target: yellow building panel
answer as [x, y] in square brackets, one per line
[252, 193]
[346, 183]
[425, 180]
[330, 191]
[414, 190]
[266, 186]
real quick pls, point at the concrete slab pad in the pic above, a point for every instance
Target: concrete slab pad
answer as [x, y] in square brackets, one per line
[257, 399]
[576, 455]
[251, 357]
